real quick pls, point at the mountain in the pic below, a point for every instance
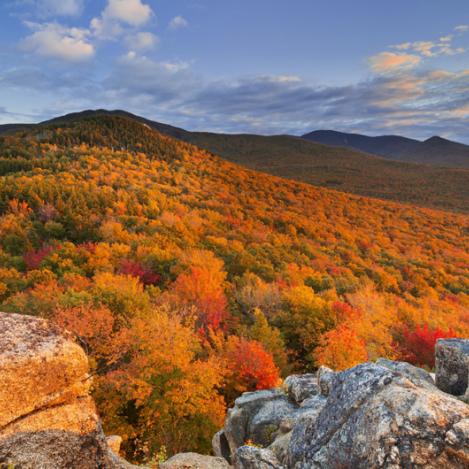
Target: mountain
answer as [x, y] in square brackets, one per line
[435, 151]
[190, 279]
[328, 166]
[343, 169]
[73, 117]
[10, 128]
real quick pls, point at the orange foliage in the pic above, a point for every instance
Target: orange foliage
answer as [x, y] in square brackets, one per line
[341, 348]
[203, 287]
[94, 328]
[166, 387]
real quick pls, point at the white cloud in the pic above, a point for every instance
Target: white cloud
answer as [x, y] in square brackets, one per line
[462, 28]
[117, 13]
[403, 46]
[56, 41]
[178, 22]
[142, 41]
[137, 75]
[145, 66]
[132, 12]
[105, 29]
[389, 62]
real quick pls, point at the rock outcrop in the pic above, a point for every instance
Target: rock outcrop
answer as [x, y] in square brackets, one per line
[452, 365]
[47, 417]
[376, 415]
[384, 415]
[252, 457]
[194, 461]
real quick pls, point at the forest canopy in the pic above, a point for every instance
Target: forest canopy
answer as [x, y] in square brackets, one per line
[189, 280]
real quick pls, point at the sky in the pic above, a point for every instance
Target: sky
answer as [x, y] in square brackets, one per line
[257, 66]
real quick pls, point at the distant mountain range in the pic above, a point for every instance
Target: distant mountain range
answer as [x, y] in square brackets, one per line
[436, 150]
[328, 165]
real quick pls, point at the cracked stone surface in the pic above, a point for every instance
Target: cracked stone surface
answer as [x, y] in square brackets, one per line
[47, 417]
[257, 416]
[250, 457]
[378, 417]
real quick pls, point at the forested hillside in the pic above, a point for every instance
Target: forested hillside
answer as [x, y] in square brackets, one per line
[189, 279]
[342, 169]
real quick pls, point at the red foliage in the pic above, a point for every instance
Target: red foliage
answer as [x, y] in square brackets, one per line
[250, 365]
[135, 269]
[419, 344]
[90, 247]
[451, 298]
[34, 258]
[344, 311]
[334, 271]
[233, 221]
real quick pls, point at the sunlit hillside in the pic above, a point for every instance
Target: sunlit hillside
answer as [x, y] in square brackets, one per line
[343, 169]
[189, 279]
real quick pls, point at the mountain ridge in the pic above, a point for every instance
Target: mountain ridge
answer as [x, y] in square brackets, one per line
[435, 150]
[333, 167]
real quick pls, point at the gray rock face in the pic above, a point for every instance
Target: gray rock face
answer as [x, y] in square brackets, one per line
[194, 461]
[257, 416]
[301, 387]
[452, 365]
[266, 418]
[418, 376]
[326, 379]
[377, 417]
[250, 457]
[220, 445]
[280, 447]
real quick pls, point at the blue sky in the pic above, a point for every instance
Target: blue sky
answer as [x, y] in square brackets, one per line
[264, 66]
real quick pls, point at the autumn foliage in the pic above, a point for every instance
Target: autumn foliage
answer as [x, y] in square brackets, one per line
[418, 345]
[189, 280]
[341, 348]
[135, 269]
[202, 287]
[33, 258]
[248, 366]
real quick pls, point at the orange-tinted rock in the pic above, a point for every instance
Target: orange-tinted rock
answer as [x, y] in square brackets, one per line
[47, 417]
